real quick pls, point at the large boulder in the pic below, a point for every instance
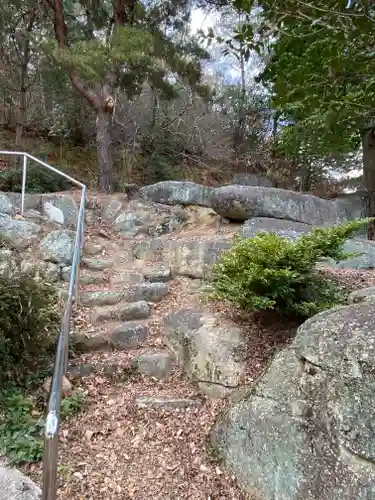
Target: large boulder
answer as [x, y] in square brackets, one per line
[284, 228]
[363, 255]
[58, 247]
[353, 204]
[31, 201]
[208, 348]
[240, 203]
[18, 233]
[60, 208]
[147, 218]
[184, 256]
[178, 193]
[305, 430]
[14, 485]
[246, 179]
[362, 295]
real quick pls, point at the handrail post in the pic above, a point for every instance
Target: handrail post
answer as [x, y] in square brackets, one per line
[23, 184]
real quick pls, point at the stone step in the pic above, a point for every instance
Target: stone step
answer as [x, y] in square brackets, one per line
[150, 273]
[150, 292]
[86, 277]
[156, 364]
[127, 277]
[129, 335]
[118, 336]
[101, 298]
[166, 403]
[92, 249]
[97, 264]
[121, 312]
[157, 273]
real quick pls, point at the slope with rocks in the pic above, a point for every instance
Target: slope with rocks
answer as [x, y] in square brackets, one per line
[158, 362]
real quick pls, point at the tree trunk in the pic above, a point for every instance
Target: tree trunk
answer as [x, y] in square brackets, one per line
[21, 115]
[104, 150]
[368, 142]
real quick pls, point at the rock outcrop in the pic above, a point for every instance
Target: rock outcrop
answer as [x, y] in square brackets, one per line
[184, 256]
[284, 228]
[305, 430]
[18, 233]
[140, 217]
[240, 203]
[58, 247]
[178, 193]
[208, 349]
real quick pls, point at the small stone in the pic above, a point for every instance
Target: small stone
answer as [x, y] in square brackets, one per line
[90, 341]
[158, 365]
[101, 298]
[112, 210]
[128, 335]
[58, 247]
[50, 271]
[157, 274]
[123, 312]
[66, 386]
[178, 193]
[127, 278]
[97, 264]
[166, 403]
[93, 249]
[110, 369]
[35, 215]
[151, 292]
[90, 216]
[85, 276]
[8, 265]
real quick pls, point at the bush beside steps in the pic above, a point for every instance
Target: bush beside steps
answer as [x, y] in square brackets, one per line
[268, 272]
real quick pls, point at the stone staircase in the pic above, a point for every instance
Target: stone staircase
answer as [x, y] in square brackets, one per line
[118, 295]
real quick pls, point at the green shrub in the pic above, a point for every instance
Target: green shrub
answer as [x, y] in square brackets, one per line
[29, 319]
[270, 272]
[38, 180]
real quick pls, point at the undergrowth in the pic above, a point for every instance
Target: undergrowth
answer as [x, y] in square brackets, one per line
[22, 422]
[29, 323]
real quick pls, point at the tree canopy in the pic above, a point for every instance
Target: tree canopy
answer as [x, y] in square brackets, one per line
[320, 70]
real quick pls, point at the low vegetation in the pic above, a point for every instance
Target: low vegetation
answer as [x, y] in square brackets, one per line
[38, 180]
[271, 273]
[29, 321]
[22, 422]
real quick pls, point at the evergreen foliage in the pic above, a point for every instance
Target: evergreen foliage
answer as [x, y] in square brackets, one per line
[270, 272]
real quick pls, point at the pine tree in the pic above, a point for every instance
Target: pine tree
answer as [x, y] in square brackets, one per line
[105, 46]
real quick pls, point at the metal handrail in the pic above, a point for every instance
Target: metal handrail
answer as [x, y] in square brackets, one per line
[52, 426]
